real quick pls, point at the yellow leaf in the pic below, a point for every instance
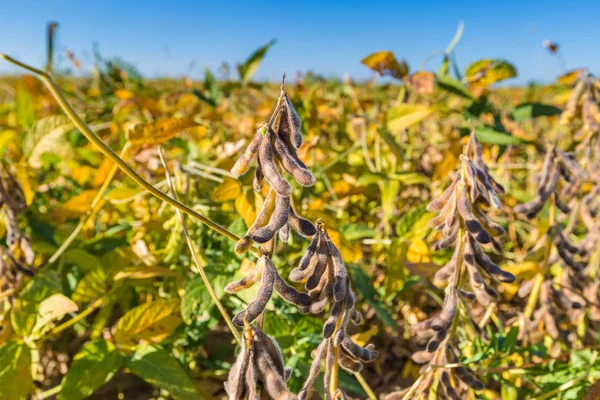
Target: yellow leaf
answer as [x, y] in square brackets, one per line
[76, 206]
[351, 252]
[8, 140]
[484, 72]
[123, 94]
[229, 189]
[159, 131]
[53, 308]
[571, 77]
[523, 270]
[82, 174]
[28, 181]
[245, 205]
[385, 63]
[363, 338]
[144, 272]
[150, 322]
[443, 169]
[102, 172]
[403, 116]
[418, 251]
[121, 193]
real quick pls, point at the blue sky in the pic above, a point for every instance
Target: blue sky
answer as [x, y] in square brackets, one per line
[162, 37]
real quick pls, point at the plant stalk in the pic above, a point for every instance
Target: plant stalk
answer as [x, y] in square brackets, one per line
[104, 149]
[197, 262]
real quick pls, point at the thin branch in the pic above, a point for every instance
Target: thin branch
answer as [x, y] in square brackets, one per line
[195, 256]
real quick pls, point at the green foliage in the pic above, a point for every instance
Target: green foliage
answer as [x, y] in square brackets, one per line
[93, 366]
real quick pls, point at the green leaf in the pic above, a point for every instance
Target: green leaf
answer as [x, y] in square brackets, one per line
[93, 366]
[405, 226]
[15, 371]
[454, 86]
[82, 259]
[249, 67]
[197, 300]
[24, 315]
[212, 92]
[357, 231]
[487, 134]
[384, 313]
[508, 391]
[150, 322]
[92, 286]
[363, 282]
[367, 179]
[511, 339]
[526, 111]
[409, 178]
[160, 369]
[389, 191]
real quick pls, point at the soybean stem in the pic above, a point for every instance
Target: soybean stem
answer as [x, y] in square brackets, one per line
[197, 262]
[104, 149]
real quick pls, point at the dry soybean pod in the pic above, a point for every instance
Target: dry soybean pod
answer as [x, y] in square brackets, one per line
[278, 220]
[262, 219]
[303, 226]
[257, 306]
[339, 269]
[315, 368]
[247, 281]
[472, 224]
[234, 386]
[436, 205]
[293, 120]
[290, 294]
[257, 183]
[349, 364]
[292, 164]
[266, 154]
[358, 352]
[488, 266]
[242, 165]
[445, 317]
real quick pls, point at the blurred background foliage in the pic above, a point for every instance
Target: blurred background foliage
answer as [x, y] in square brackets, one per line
[121, 312]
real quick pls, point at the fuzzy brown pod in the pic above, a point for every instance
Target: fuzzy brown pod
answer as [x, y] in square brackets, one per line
[259, 370]
[464, 203]
[451, 383]
[276, 216]
[463, 207]
[271, 281]
[327, 282]
[351, 358]
[274, 144]
[556, 165]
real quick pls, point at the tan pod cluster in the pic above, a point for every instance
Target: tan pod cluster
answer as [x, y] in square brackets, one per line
[464, 221]
[326, 279]
[259, 370]
[275, 145]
